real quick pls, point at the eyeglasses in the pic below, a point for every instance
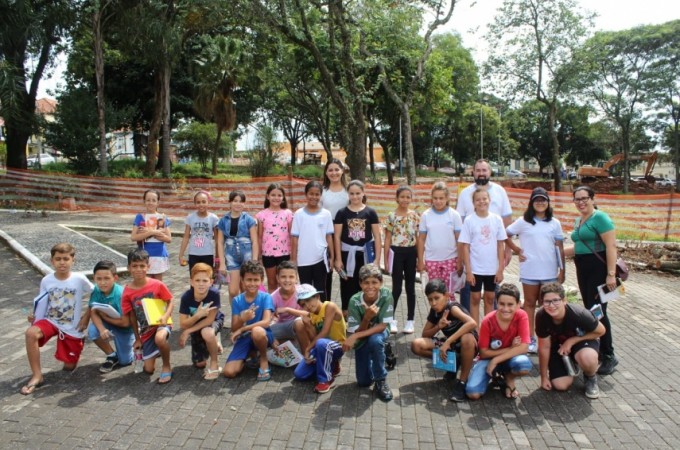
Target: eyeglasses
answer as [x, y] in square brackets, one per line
[581, 199]
[552, 302]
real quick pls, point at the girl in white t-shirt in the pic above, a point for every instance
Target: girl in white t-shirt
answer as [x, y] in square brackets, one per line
[541, 257]
[439, 228]
[482, 251]
[200, 233]
[334, 197]
[312, 240]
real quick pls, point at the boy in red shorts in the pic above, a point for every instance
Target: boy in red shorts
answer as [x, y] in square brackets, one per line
[58, 312]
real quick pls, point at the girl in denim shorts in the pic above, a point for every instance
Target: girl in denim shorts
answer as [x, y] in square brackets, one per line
[236, 240]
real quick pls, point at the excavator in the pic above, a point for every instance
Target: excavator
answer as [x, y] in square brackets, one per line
[613, 168]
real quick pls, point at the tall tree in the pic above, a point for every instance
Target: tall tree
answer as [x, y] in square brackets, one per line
[531, 43]
[31, 33]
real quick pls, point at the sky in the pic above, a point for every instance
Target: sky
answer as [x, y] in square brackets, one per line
[470, 18]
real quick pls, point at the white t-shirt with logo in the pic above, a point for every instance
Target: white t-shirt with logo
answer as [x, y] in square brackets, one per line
[483, 234]
[538, 245]
[202, 233]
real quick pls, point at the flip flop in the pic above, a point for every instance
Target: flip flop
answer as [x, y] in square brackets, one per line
[511, 392]
[167, 376]
[211, 374]
[264, 375]
[31, 388]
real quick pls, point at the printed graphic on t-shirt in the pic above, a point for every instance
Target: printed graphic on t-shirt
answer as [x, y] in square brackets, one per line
[356, 229]
[486, 234]
[201, 234]
[62, 303]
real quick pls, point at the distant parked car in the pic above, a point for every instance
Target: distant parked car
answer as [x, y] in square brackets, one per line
[42, 159]
[512, 173]
[572, 175]
[664, 182]
[447, 170]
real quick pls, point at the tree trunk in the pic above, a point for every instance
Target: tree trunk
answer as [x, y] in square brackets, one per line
[677, 156]
[216, 150]
[356, 148]
[625, 142]
[154, 127]
[99, 74]
[16, 147]
[167, 168]
[294, 142]
[552, 113]
[408, 144]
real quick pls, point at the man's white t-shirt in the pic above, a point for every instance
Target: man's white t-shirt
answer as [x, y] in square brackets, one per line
[483, 234]
[311, 230]
[439, 228]
[500, 203]
[538, 245]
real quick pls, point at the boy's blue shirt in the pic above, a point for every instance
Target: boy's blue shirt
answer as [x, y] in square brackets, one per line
[114, 299]
[263, 301]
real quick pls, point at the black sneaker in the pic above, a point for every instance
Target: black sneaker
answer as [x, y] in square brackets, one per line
[609, 363]
[110, 364]
[592, 389]
[458, 393]
[383, 390]
[449, 376]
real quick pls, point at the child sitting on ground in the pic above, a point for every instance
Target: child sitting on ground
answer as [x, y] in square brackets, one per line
[105, 305]
[287, 322]
[251, 315]
[370, 313]
[459, 333]
[201, 319]
[151, 339]
[58, 313]
[326, 331]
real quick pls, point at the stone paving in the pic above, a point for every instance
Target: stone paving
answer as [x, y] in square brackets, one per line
[639, 405]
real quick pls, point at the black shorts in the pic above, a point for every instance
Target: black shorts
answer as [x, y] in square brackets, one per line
[556, 367]
[199, 349]
[273, 261]
[195, 259]
[488, 281]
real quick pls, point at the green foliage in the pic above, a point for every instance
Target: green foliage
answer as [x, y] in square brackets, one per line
[197, 141]
[3, 153]
[310, 172]
[261, 157]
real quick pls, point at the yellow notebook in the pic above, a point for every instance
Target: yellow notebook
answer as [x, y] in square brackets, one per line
[154, 308]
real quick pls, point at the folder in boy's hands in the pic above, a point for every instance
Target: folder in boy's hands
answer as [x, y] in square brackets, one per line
[449, 365]
[154, 309]
[106, 309]
[40, 306]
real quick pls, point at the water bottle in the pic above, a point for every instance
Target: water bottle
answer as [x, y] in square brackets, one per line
[139, 363]
[572, 369]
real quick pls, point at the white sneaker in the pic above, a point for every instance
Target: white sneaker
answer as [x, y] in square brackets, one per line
[409, 328]
[393, 327]
[533, 346]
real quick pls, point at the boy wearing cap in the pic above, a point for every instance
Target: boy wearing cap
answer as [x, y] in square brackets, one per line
[541, 254]
[325, 331]
[370, 315]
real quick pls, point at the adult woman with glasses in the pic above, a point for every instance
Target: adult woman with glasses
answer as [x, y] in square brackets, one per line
[541, 254]
[594, 252]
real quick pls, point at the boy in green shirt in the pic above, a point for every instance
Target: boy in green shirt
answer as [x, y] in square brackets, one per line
[370, 316]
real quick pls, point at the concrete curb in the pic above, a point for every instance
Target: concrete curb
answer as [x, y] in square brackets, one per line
[24, 253]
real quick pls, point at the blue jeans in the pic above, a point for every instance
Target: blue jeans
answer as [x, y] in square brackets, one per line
[478, 382]
[326, 352]
[122, 340]
[465, 296]
[370, 359]
[237, 250]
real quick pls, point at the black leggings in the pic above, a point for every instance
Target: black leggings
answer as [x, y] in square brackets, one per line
[404, 268]
[350, 286]
[590, 273]
[316, 276]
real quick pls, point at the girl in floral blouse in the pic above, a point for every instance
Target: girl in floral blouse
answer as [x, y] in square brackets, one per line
[401, 234]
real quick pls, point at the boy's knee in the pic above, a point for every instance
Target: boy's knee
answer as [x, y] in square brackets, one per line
[474, 396]
[34, 333]
[208, 334]
[376, 341]
[230, 372]
[418, 346]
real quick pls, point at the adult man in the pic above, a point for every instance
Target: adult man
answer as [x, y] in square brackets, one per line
[500, 205]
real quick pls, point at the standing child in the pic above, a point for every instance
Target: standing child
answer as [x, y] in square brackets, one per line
[287, 321]
[236, 240]
[200, 232]
[440, 227]
[326, 331]
[201, 319]
[104, 327]
[459, 333]
[314, 254]
[356, 227]
[151, 339]
[59, 313]
[503, 344]
[151, 231]
[333, 198]
[401, 236]
[370, 313]
[251, 314]
[273, 231]
[483, 251]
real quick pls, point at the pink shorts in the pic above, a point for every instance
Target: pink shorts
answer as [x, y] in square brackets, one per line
[442, 270]
[69, 348]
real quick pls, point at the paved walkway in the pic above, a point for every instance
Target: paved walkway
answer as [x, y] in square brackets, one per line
[639, 405]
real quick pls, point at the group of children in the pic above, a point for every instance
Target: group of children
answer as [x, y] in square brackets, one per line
[294, 253]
